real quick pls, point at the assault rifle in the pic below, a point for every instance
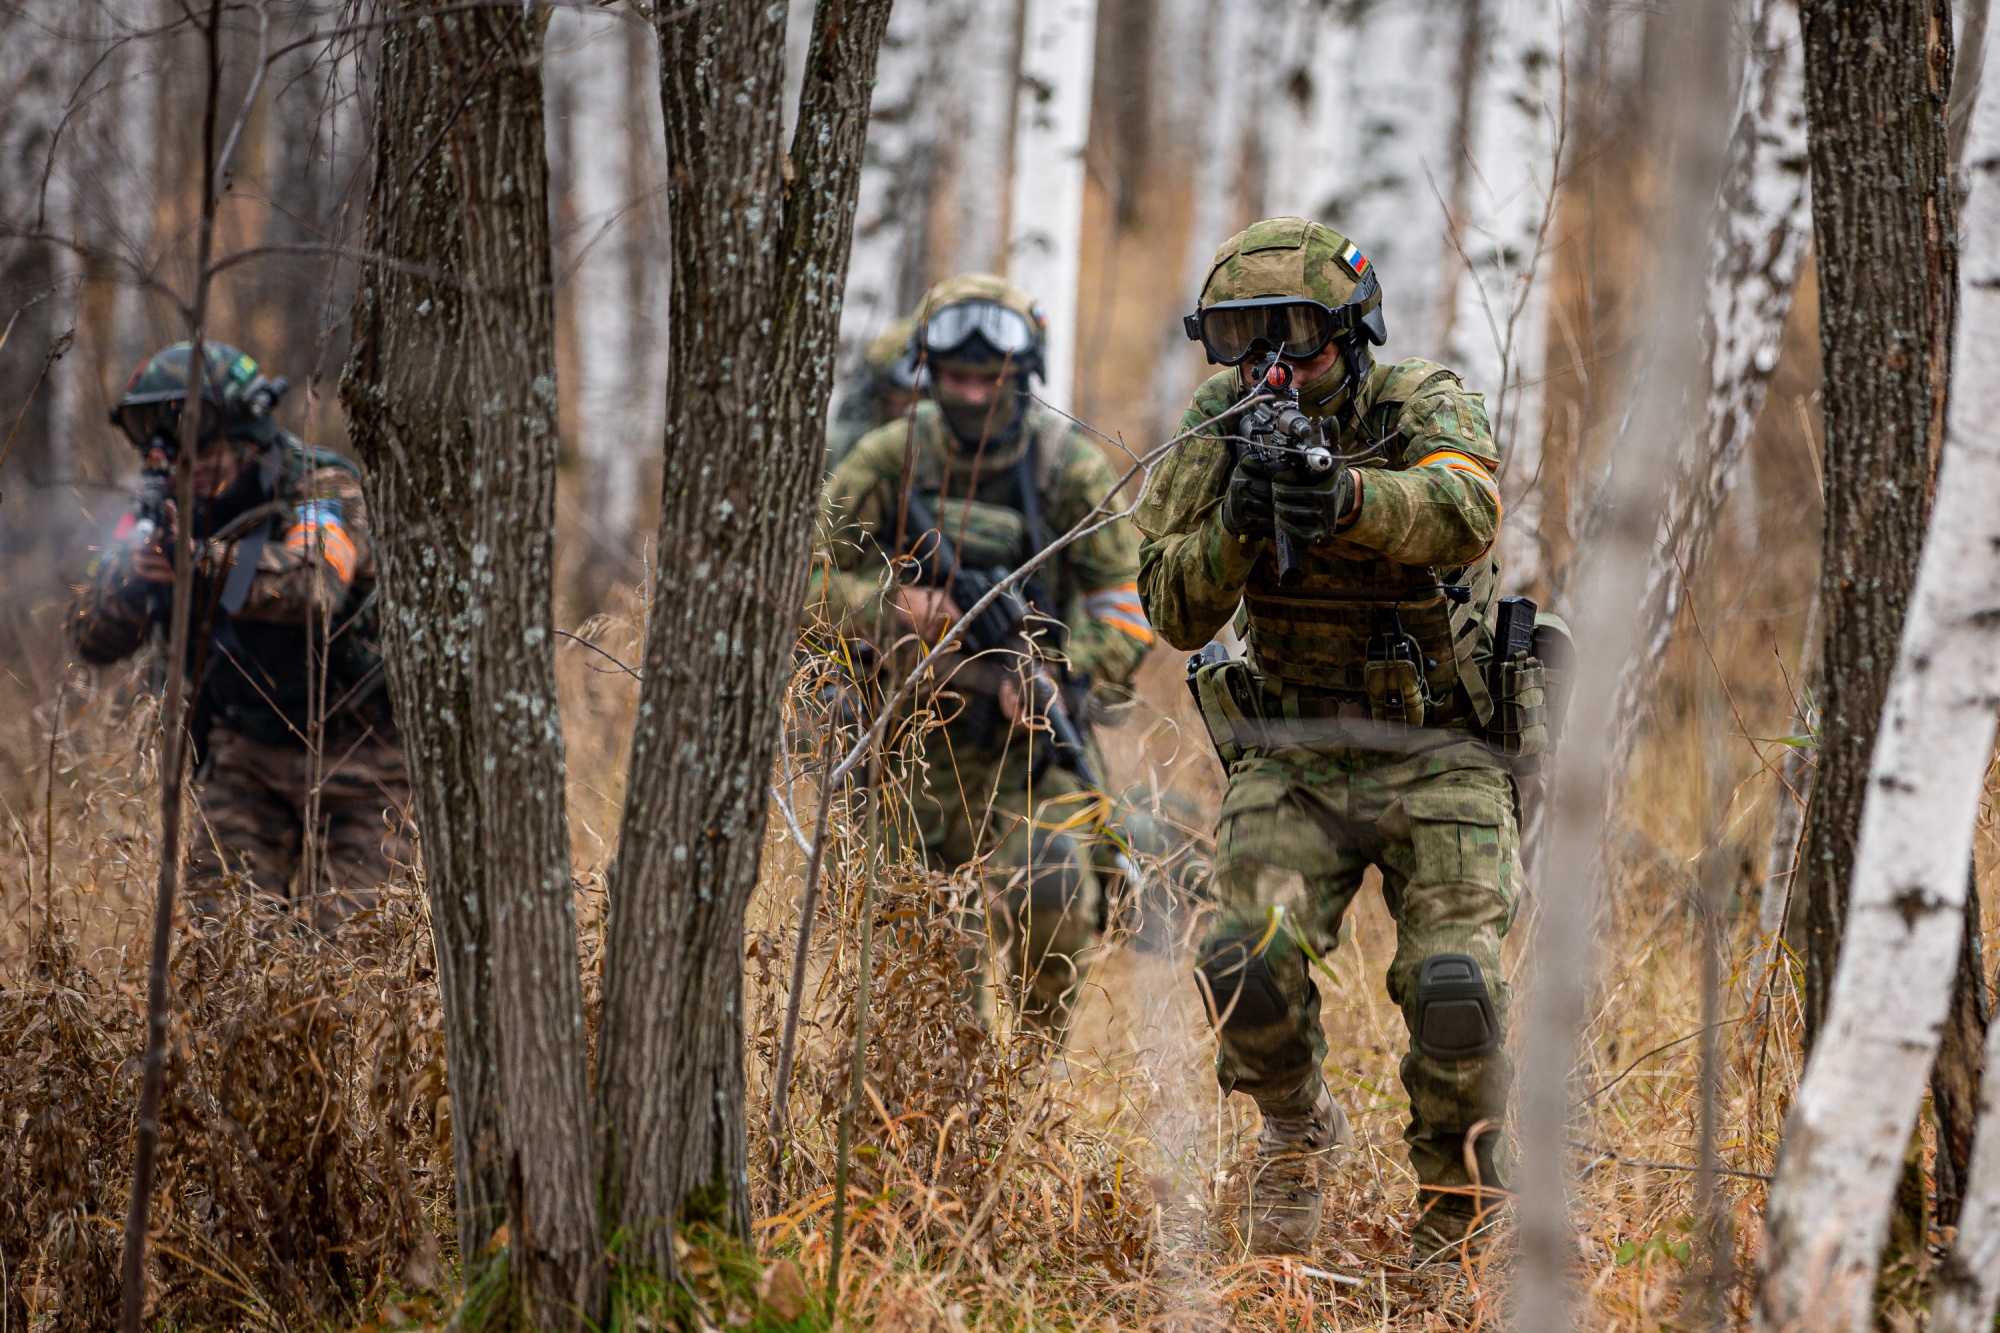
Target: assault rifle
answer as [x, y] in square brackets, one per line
[1284, 438]
[1001, 627]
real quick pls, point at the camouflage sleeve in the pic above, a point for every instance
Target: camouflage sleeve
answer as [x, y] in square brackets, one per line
[1113, 637]
[304, 572]
[1444, 507]
[1191, 570]
[845, 592]
[108, 617]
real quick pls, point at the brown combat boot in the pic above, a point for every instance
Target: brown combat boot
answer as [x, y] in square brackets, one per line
[1283, 1211]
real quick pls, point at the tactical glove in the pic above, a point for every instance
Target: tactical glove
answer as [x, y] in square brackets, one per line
[1246, 505]
[1313, 511]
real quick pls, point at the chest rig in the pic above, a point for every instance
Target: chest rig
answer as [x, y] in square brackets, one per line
[1361, 629]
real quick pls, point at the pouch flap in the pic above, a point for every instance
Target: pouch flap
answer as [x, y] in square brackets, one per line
[1455, 805]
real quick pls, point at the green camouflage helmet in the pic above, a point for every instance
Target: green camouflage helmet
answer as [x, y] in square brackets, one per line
[238, 397]
[1295, 257]
[890, 359]
[991, 341]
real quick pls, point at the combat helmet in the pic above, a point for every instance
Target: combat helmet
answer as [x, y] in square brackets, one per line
[981, 319]
[236, 398]
[1288, 286]
[890, 358]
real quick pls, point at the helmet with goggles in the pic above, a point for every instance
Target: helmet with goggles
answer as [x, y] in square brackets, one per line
[1286, 287]
[236, 398]
[981, 320]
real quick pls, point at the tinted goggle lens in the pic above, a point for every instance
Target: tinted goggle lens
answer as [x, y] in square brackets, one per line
[1005, 331]
[145, 423]
[1296, 328]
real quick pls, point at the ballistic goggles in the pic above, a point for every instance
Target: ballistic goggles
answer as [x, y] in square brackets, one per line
[1289, 326]
[1004, 330]
[155, 421]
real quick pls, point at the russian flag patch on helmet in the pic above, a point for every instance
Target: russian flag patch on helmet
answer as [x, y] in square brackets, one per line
[1351, 256]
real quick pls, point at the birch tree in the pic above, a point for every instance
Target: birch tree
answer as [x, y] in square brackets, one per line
[983, 62]
[1876, 81]
[1051, 132]
[1492, 311]
[1758, 246]
[614, 286]
[1844, 1141]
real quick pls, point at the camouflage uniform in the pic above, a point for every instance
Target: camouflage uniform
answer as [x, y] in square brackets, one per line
[974, 791]
[1326, 790]
[256, 770]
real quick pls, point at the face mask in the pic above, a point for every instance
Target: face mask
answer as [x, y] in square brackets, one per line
[994, 422]
[1331, 391]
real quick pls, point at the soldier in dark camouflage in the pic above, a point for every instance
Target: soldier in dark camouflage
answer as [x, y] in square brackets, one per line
[1337, 772]
[882, 392]
[296, 751]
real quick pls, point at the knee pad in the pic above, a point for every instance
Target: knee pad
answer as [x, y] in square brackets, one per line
[1241, 984]
[1451, 1017]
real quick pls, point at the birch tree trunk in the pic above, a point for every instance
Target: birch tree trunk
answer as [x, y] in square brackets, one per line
[1757, 250]
[1051, 132]
[1876, 81]
[1692, 130]
[451, 392]
[1844, 1141]
[757, 267]
[984, 61]
[1495, 307]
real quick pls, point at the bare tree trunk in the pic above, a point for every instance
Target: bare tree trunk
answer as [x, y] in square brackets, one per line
[1758, 248]
[1843, 1145]
[758, 263]
[1692, 131]
[451, 391]
[1967, 1284]
[1051, 131]
[1961, 1061]
[1876, 80]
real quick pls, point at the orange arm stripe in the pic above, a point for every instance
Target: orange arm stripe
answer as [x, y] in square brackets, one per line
[1134, 629]
[332, 542]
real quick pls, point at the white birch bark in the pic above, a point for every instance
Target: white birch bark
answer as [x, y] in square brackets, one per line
[1844, 1141]
[1051, 132]
[1494, 311]
[983, 65]
[612, 282]
[1759, 246]
[885, 274]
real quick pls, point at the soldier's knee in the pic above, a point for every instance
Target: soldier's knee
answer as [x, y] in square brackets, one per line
[1059, 878]
[1240, 970]
[1452, 1013]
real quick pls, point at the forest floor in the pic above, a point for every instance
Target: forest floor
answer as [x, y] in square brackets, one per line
[306, 1142]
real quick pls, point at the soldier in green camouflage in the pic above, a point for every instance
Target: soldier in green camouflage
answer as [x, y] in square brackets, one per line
[291, 722]
[1360, 727]
[882, 392]
[1002, 475]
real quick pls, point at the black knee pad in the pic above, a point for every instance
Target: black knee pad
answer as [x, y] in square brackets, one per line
[1056, 882]
[1241, 985]
[1452, 1015]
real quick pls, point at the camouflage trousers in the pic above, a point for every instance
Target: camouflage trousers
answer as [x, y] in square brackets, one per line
[1043, 862]
[1298, 829]
[251, 835]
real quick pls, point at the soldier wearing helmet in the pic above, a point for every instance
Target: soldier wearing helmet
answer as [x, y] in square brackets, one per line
[292, 724]
[883, 391]
[1002, 476]
[1359, 728]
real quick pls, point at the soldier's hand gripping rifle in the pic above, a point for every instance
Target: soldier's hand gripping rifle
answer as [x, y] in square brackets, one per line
[1001, 627]
[1285, 439]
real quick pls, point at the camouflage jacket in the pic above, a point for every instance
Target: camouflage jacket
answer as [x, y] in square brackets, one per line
[1429, 504]
[316, 569]
[1093, 582]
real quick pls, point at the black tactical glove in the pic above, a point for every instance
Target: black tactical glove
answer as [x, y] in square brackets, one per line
[1312, 511]
[1246, 505]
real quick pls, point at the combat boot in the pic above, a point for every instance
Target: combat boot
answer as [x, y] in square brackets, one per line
[1286, 1197]
[1456, 1223]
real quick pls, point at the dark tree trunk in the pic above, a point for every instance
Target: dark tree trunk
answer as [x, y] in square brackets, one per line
[451, 393]
[1877, 80]
[760, 250]
[1960, 1064]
